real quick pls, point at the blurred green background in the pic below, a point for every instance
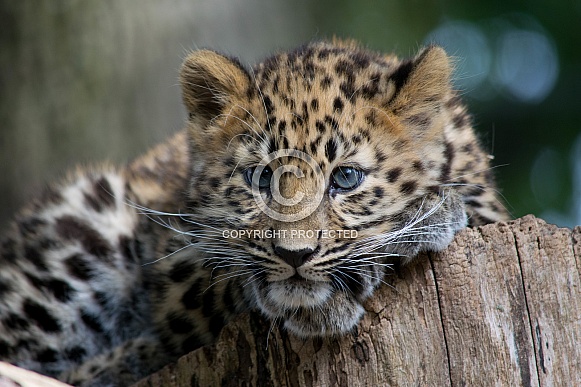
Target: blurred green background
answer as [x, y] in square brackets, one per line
[83, 81]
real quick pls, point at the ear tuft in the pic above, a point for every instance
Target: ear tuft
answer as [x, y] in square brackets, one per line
[210, 82]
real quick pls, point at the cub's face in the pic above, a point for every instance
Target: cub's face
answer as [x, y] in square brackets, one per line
[313, 169]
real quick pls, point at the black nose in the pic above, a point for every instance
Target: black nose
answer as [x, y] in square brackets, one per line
[295, 258]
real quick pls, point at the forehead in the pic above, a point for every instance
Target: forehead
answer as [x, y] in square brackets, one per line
[319, 90]
[321, 69]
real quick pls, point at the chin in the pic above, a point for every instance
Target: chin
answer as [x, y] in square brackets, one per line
[298, 293]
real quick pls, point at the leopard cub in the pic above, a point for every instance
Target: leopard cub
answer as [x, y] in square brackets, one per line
[290, 191]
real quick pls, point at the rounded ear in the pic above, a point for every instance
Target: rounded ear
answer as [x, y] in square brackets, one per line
[422, 84]
[211, 82]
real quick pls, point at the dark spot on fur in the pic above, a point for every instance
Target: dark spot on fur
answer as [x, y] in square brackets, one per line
[47, 356]
[103, 299]
[351, 279]
[331, 122]
[268, 105]
[101, 195]
[5, 349]
[35, 281]
[370, 118]
[378, 192]
[402, 73]
[323, 53]
[281, 126]
[461, 120]
[181, 271]
[32, 254]
[315, 144]
[331, 150]
[320, 127]
[343, 68]
[71, 228]
[371, 89]
[447, 166]
[179, 324]
[478, 219]
[91, 321]
[8, 251]
[228, 191]
[130, 248]
[453, 102]
[271, 123]
[40, 316]
[229, 162]
[305, 112]
[418, 166]
[192, 297]
[228, 298]
[468, 148]
[338, 105]
[408, 187]
[315, 105]
[360, 60]
[422, 120]
[75, 354]
[214, 182]
[15, 322]
[325, 83]
[27, 344]
[393, 174]
[473, 203]
[477, 190]
[208, 303]
[434, 189]
[5, 287]
[380, 156]
[348, 89]
[78, 267]
[60, 289]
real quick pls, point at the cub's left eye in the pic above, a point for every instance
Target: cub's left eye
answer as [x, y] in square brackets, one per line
[346, 178]
[263, 181]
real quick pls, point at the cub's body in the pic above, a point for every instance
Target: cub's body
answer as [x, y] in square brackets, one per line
[117, 271]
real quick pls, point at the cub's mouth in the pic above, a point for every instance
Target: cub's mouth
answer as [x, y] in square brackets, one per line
[297, 292]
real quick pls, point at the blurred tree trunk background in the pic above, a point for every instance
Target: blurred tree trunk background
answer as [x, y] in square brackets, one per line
[89, 81]
[85, 81]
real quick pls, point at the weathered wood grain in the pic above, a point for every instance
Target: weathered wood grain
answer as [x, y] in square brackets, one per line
[501, 306]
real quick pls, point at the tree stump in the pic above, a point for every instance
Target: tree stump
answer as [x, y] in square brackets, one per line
[501, 306]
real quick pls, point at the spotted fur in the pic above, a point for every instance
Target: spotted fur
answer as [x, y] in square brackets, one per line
[117, 271]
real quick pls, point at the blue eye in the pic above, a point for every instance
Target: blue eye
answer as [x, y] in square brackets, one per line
[263, 181]
[346, 178]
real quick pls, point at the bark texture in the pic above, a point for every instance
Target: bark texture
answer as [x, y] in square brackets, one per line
[501, 306]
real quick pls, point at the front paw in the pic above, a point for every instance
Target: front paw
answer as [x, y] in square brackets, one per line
[427, 224]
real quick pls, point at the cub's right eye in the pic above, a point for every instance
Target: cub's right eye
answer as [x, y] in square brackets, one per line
[263, 180]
